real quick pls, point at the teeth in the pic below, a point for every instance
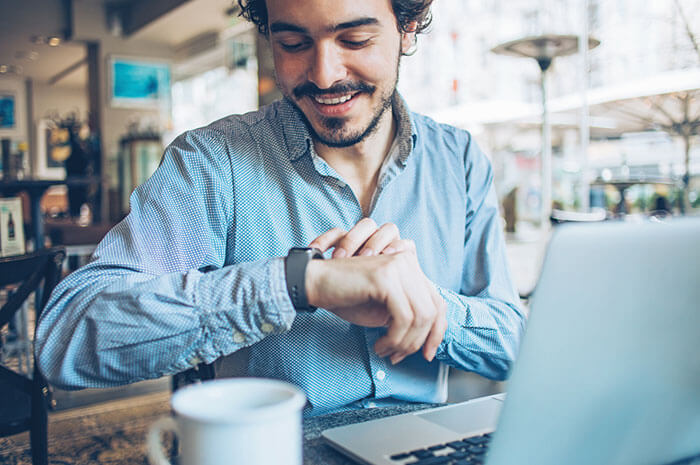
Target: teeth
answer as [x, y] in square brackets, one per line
[334, 100]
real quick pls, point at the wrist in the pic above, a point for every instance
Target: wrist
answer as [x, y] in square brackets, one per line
[311, 281]
[295, 266]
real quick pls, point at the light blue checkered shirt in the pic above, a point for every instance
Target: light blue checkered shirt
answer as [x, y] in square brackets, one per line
[194, 272]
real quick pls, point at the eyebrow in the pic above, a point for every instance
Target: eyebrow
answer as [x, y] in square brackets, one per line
[281, 26]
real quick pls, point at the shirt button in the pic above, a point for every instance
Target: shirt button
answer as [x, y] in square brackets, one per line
[380, 375]
[238, 338]
[267, 328]
[341, 184]
[372, 405]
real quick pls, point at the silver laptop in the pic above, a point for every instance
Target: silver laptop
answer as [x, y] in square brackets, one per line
[608, 371]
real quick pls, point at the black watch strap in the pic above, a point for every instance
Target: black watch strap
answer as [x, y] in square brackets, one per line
[295, 273]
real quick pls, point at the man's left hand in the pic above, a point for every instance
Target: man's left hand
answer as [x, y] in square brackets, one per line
[426, 319]
[365, 239]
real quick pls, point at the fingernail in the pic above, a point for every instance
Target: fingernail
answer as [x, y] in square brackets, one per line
[389, 250]
[339, 253]
[367, 253]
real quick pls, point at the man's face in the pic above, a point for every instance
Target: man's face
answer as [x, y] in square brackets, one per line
[337, 61]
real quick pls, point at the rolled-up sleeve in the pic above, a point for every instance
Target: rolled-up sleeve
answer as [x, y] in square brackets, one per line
[157, 297]
[485, 319]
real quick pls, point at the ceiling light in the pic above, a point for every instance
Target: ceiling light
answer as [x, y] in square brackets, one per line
[11, 69]
[52, 41]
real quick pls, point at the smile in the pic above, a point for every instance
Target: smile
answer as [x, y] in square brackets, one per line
[333, 100]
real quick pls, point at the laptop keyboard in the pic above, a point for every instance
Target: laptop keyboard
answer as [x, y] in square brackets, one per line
[468, 451]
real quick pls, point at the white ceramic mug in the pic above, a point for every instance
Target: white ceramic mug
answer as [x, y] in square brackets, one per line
[249, 421]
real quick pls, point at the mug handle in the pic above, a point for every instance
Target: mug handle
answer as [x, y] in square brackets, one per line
[154, 446]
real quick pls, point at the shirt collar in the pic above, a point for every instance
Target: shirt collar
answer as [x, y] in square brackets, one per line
[296, 134]
[405, 129]
[300, 142]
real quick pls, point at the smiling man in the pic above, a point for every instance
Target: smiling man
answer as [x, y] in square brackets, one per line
[222, 255]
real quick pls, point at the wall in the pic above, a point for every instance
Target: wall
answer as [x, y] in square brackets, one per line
[51, 100]
[90, 25]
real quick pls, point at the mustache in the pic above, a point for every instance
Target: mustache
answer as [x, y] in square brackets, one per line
[311, 89]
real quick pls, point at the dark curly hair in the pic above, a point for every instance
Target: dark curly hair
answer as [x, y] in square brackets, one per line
[406, 11]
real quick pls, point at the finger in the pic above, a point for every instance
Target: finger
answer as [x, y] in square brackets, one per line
[424, 315]
[399, 245]
[378, 241]
[401, 317]
[437, 332]
[328, 239]
[349, 244]
[427, 304]
[436, 335]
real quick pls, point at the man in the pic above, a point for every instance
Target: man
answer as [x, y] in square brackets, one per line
[197, 271]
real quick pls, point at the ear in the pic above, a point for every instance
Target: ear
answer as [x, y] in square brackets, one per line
[408, 38]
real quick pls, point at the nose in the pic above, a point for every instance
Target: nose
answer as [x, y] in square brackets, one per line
[327, 67]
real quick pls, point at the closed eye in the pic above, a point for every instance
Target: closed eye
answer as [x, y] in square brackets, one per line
[293, 47]
[356, 43]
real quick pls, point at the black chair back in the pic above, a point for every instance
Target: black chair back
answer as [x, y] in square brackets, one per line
[24, 400]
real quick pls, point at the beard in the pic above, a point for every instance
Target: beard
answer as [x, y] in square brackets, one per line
[334, 131]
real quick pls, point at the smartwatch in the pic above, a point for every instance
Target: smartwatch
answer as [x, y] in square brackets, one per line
[295, 272]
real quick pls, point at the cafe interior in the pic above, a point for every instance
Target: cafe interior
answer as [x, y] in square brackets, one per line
[93, 91]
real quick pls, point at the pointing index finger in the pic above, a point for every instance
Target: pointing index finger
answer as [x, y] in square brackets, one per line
[328, 239]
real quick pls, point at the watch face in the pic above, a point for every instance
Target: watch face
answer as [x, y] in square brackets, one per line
[312, 252]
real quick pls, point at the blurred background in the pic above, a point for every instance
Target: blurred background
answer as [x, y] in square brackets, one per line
[623, 114]
[95, 89]
[92, 91]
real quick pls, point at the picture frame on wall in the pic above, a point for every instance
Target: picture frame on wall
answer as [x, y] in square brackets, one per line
[138, 82]
[52, 150]
[13, 110]
[8, 113]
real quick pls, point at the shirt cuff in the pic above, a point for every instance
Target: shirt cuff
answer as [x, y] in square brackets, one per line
[278, 285]
[241, 305]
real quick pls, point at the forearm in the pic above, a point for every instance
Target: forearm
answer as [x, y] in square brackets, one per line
[483, 334]
[110, 327]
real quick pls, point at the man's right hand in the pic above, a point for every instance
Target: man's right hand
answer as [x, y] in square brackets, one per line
[383, 290]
